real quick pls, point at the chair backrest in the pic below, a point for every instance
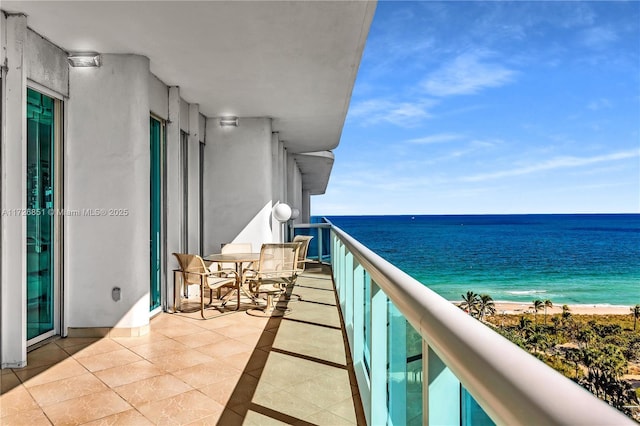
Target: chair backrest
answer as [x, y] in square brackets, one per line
[303, 240]
[234, 248]
[278, 260]
[190, 263]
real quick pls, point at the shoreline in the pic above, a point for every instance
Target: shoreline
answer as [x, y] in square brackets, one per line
[515, 308]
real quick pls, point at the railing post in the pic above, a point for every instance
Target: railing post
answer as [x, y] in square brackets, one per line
[441, 391]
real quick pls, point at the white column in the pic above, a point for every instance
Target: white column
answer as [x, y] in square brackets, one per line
[194, 179]
[13, 192]
[173, 184]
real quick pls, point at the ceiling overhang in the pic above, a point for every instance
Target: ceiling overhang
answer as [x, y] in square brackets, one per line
[292, 61]
[315, 168]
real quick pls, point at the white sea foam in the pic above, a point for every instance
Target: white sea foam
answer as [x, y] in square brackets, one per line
[523, 292]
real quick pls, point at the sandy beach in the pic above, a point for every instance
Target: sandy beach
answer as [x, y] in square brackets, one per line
[519, 308]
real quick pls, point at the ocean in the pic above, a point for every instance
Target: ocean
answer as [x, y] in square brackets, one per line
[582, 259]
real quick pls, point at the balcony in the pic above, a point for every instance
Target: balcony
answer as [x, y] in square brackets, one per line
[389, 352]
[231, 369]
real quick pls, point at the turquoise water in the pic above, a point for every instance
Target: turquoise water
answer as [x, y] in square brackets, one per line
[572, 259]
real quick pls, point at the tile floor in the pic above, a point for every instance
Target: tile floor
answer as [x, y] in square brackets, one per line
[229, 370]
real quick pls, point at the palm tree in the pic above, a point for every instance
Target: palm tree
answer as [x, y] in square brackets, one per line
[565, 312]
[469, 302]
[546, 304]
[524, 326]
[537, 305]
[635, 311]
[485, 306]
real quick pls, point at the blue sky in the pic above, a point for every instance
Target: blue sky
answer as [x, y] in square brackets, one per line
[493, 107]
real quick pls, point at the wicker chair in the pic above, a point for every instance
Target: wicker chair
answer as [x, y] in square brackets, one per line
[277, 267]
[194, 271]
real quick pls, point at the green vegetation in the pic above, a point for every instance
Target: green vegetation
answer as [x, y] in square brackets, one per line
[596, 351]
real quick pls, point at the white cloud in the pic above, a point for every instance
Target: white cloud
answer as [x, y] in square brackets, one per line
[553, 164]
[599, 37]
[437, 138]
[404, 114]
[467, 74]
[599, 104]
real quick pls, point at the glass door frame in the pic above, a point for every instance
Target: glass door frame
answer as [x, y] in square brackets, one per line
[58, 204]
[163, 215]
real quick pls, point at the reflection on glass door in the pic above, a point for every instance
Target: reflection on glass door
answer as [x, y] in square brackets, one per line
[157, 162]
[40, 224]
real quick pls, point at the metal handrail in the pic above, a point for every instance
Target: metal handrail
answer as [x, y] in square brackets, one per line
[513, 387]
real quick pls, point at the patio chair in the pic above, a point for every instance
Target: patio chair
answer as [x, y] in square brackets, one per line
[277, 267]
[303, 241]
[194, 271]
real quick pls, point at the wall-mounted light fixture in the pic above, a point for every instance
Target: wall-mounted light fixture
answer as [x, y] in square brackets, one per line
[228, 121]
[87, 59]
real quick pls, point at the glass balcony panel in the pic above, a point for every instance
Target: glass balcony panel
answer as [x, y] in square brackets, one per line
[472, 413]
[404, 374]
[366, 328]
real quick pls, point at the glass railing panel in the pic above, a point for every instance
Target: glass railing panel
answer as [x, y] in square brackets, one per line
[404, 370]
[472, 413]
[366, 322]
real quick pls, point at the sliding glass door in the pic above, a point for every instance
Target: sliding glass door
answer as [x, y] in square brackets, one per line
[43, 125]
[156, 241]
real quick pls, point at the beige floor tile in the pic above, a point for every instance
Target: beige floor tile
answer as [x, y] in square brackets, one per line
[16, 401]
[75, 341]
[181, 409]
[62, 390]
[86, 408]
[129, 373]
[323, 391]
[159, 348]
[257, 419]
[182, 359]
[109, 360]
[26, 418]
[62, 370]
[46, 355]
[225, 348]
[99, 347]
[246, 361]
[126, 418]
[178, 330]
[152, 389]
[287, 404]
[344, 409]
[264, 340]
[201, 338]
[226, 418]
[326, 418]
[229, 391]
[206, 374]
[130, 342]
[238, 330]
[8, 380]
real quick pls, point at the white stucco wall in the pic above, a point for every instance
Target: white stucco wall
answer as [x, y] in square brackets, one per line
[107, 167]
[294, 186]
[237, 183]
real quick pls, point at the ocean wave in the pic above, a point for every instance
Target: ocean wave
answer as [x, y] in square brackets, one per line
[524, 292]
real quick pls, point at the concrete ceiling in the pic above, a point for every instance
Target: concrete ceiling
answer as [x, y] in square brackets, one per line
[293, 61]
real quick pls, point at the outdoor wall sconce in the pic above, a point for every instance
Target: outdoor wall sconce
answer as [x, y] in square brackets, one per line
[89, 59]
[229, 121]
